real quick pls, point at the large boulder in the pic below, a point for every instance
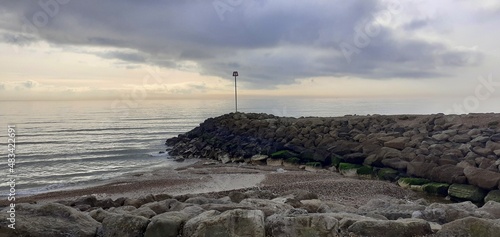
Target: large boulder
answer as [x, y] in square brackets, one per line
[470, 226]
[238, 222]
[168, 224]
[448, 174]
[466, 192]
[47, 220]
[444, 213]
[302, 225]
[391, 228]
[125, 225]
[420, 169]
[482, 178]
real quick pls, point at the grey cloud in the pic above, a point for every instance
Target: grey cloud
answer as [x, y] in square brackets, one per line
[125, 56]
[18, 39]
[270, 42]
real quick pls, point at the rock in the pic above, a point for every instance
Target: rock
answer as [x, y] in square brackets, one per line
[166, 225]
[441, 137]
[448, 174]
[420, 169]
[244, 223]
[259, 157]
[493, 195]
[391, 209]
[125, 225]
[395, 228]
[463, 138]
[313, 206]
[269, 207]
[48, 220]
[482, 151]
[397, 143]
[237, 197]
[440, 189]
[482, 178]
[495, 137]
[480, 139]
[143, 211]
[354, 158]
[395, 163]
[466, 192]
[225, 159]
[470, 226]
[299, 194]
[133, 202]
[492, 208]
[90, 200]
[274, 162]
[302, 225]
[166, 205]
[444, 213]
[99, 214]
[388, 174]
[105, 203]
[192, 211]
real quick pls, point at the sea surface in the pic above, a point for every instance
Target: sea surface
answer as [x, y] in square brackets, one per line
[70, 144]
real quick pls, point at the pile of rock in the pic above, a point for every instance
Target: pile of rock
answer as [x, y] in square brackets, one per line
[251, 213]
[459, 150]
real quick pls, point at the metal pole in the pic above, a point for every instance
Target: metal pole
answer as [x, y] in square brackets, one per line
[235, 95]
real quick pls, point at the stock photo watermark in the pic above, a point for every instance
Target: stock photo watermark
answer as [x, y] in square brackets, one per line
[371, 28]
[484, 90]
[225, 6]
[11, 163]
[48, 10]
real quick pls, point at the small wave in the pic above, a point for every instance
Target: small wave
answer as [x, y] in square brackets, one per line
[158, 154]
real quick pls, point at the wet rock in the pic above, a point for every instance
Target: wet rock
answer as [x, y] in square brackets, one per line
[166, 225]
[470, 226]
[302, 225]
[493, 195]
[48, 220]
[482, 178]
[245, 223]
[125, 225]
[389, 228]
[466, 192]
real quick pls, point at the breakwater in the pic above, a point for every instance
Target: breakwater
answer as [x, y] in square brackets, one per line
[455, 155]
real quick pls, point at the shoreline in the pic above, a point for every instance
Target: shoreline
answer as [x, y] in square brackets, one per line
[204, 177]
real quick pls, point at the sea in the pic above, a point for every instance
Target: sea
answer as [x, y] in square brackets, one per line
[62, 145]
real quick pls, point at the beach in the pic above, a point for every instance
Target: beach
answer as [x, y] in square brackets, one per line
[209, 177]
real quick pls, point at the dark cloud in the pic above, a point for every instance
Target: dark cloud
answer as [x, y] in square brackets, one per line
[269, 42]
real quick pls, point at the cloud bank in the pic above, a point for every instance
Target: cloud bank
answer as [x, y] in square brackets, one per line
[270, 42]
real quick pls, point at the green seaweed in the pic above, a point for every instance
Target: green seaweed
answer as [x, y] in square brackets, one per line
[414, 181]
[313, 164]
[388, 174]
[293, 160]
[365, 170]
[336, 160]
[436, 188]
[349, 166]
[283, 154]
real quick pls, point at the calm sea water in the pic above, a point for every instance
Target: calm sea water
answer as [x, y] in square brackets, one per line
[68, 144]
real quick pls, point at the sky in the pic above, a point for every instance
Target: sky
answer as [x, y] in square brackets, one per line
[75, 49]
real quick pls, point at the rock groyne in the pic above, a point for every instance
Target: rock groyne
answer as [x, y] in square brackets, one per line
[455, 155]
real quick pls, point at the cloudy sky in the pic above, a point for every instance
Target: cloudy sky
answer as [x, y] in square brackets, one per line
[75, 49]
